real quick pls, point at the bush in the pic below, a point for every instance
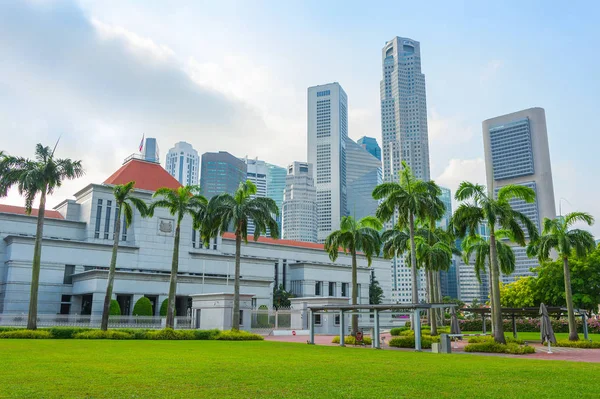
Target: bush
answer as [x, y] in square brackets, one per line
[232, 335]
[350, 340]
[99, 334]
[396, 331]
[66, 332]
[164, 307]
[143, 307]
[170, 334]
[3, 329]
[578, 344]
[206, 334]
[26, 334]
[490, 346]
[409, 341]
[115, 308]
[516, 349]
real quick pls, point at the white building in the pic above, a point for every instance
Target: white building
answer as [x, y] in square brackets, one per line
[404, 132]
[517, 152]
[77, 246]
[299, 208]
[327, 134]
[256, 172]
[183, 163]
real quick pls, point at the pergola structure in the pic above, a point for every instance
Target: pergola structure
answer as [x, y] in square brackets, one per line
[533, 312]
[412, 308]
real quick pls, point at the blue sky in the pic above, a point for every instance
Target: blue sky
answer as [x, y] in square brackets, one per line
[233, 76]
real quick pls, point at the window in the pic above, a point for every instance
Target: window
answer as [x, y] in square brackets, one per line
[68, 277]
[241, 317]
[98, 219]
[317, 319]
[65, 304]
[276, 275]
[318, 285]
[107, 221]
[345, 289]
[284, 267]
[331, 288]
[336, 320]
[124, 228]
[253, 303]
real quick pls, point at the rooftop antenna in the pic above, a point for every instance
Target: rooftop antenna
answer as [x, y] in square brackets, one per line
[560, 205]
[55, 145]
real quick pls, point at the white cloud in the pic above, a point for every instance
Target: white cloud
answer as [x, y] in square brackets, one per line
[459, 170]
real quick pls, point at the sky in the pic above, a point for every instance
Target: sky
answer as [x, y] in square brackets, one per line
[233, 76]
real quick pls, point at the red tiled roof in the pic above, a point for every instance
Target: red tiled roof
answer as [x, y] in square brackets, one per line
[287, 243]
[147, 176]
[20, 210]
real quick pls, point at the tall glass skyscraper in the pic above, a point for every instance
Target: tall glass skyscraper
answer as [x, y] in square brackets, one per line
[183, 163]
[448, 278]
[363, 174]
[370, 144]
[404, 133]
[221, 172]
[275, 187]
[300, 204]
[150, 149]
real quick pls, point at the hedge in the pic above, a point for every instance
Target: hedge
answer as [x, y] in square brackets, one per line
[527, 325]
[115, 308]
[478, 340]
[409, 341]
[491, 346]
[232, 335]
[143, 307]
[350, 340]
[99, 334]
[578, 344]
[26, 334]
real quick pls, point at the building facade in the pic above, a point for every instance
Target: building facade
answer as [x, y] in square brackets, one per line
[150, 150]
[363, 174]
[256, 172]
[370, 144]
[327, 135]
[299, 209]
[404, 133]
[183, 163]
[275, 186]
[517, 152]
[77, 247]
[471, 288]
[448, 278]
[220, 173]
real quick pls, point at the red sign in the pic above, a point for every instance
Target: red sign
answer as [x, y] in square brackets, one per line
[293, 332]
[359, 336]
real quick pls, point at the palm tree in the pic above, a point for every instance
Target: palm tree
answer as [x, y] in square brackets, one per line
[124, 199]
[39, 176]
[408, 200]
[353, 236]
[179, 202]
[483, 208]
[236, 211]
[558, 235]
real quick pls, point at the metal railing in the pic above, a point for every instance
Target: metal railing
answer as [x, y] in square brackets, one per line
[147, 322]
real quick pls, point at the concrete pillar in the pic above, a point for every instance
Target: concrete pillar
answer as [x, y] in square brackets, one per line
[311, 316]
[375, 336]
[585, 326]
[342, 342]
[483, 321]
[417, 317]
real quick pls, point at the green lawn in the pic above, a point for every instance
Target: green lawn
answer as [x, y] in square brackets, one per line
[535, 336]
[211, 369]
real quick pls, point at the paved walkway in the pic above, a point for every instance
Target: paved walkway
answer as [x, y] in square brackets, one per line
[570, 354]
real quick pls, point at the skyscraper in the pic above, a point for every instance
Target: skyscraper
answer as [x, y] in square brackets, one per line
[299, 208]
[183, 163]
[221, 172]
[256, 172]
[448, 278]
[327, 134]
[517, 152]
[276, 176]
[404, 133]
[370, 144]
[363, 174]
[150, 150]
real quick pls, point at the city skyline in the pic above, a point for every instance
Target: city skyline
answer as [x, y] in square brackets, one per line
[208, 81]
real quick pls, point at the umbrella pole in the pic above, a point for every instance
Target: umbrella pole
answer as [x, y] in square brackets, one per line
[549, 348]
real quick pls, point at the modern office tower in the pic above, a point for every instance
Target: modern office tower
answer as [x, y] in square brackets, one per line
[469, 287]
[256, 172]
[221, 172]
[516, 152]
[363, 174]
[404, 133]
[276, 176]
[448, 278]
[150, 150]
[183, 163]
[370, 144]
[327, 134]
[299, 208]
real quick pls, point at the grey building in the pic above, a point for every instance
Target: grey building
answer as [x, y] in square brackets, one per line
[363, 174]
[220, 173]
[517, 152]
[370, 144]
[150, 150]
[448, 278]
[299, 207]
[276, 176]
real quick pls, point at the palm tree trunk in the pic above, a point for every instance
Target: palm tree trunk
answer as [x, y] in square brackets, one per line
[235, 321]
[432, 312]
[498, 328]
[354, 292]
[173, 285]
[573, 336]
[438, 297]
[492, 307]
[111, 270]
[36, 265]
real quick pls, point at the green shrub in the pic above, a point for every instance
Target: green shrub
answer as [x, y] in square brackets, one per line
[3, 329]
[232, 335]
[164, 307]
[479, 340]
[206, 334]
[396, 331]
[66, 332]
[115, 308]
[407, 333]
[99, 334]
[409, 342]
[578, 344]
[350, 340]
[490, 346]
[26, 334]
[143, 307]
[516, 349]
[170, 334]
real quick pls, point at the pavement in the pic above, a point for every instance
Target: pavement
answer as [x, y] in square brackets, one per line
[565, 354]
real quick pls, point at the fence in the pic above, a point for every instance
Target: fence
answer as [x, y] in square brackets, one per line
[147, 322]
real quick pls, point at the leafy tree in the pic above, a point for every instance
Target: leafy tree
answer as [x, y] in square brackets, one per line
[281, 297]
[115, 308]
[32, 177]
[407, 200]
[558, 235]
[520, 293]
[180, 202]
[353, 236]
[459, 304]
[124, 200]
[375, 291]
[164, 307]
[143, 307]
[236, 211]
[479, 207]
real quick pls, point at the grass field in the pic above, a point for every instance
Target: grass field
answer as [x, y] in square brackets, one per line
[213, 369]
[535, 336]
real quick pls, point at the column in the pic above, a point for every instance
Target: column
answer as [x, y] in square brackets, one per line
[417, 318]
[311, 317]
[342, 326]
[375, 336]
